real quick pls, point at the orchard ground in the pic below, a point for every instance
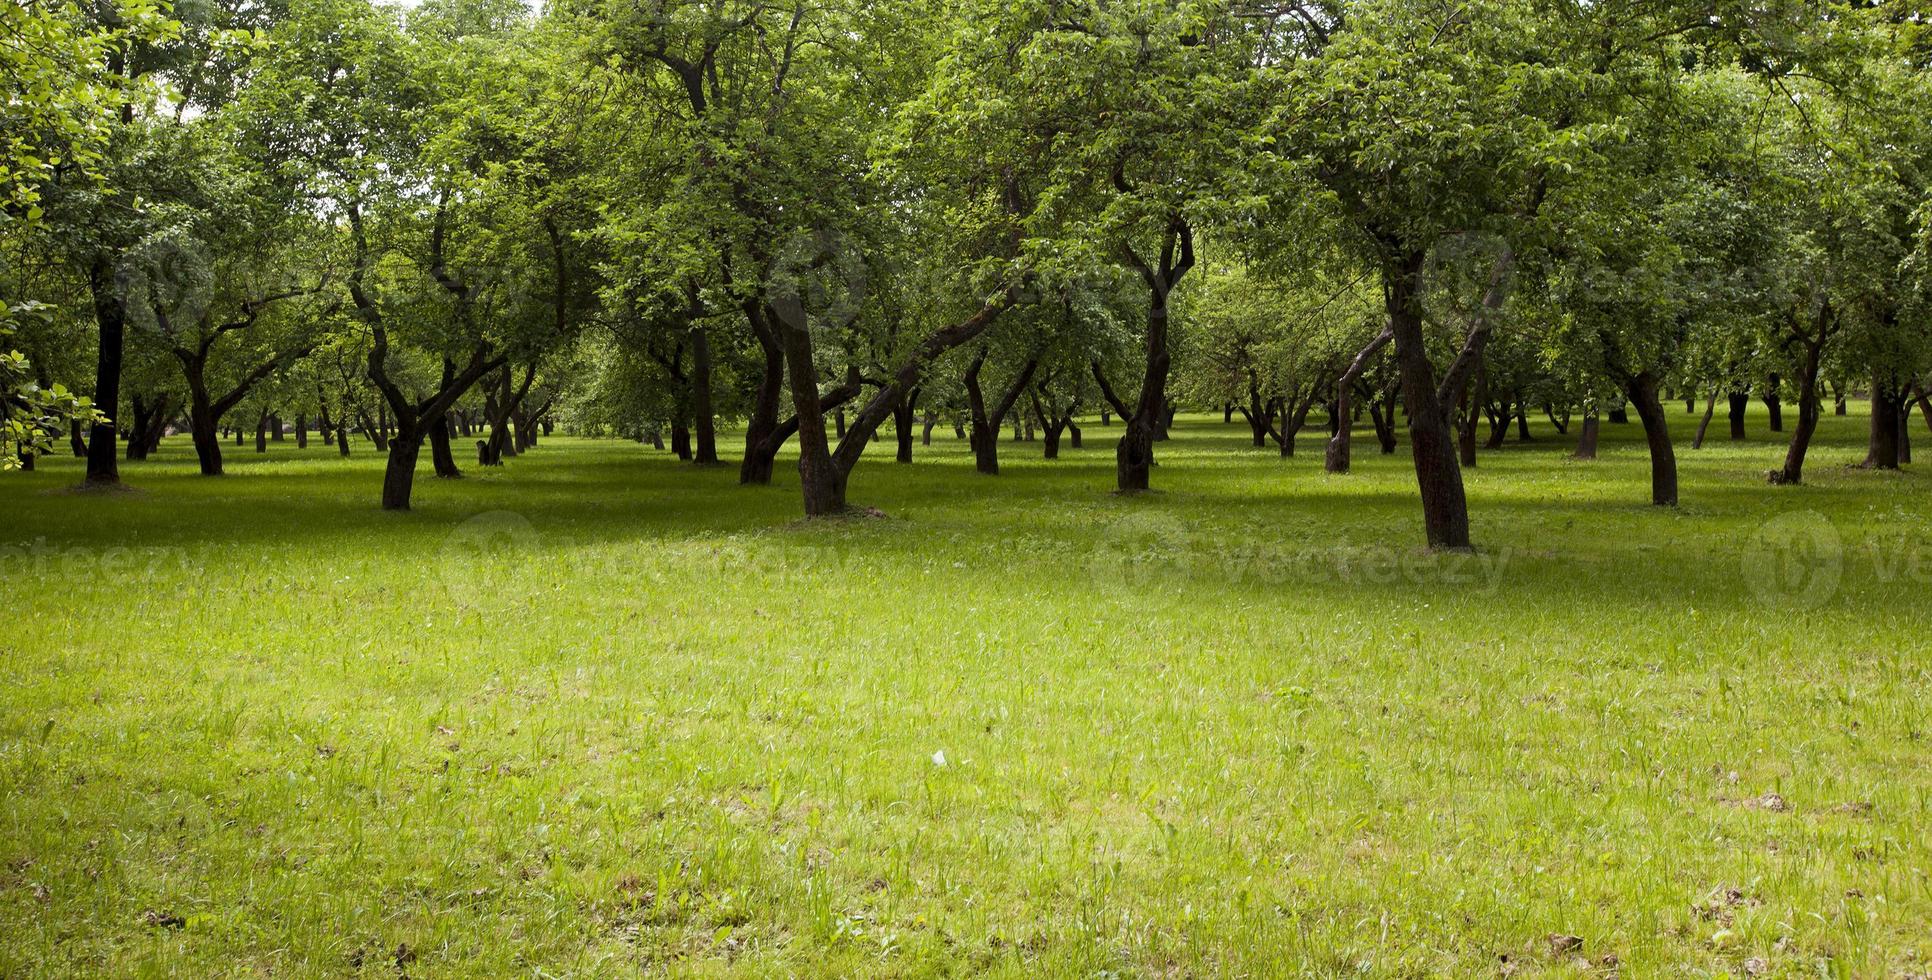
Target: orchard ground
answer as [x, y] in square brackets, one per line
[599, 713]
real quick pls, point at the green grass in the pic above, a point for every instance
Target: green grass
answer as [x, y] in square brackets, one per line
[635, 718]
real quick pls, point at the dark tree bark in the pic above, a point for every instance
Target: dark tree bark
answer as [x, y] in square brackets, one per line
[1445, 506]
[1522, 420]
[761, 444]
[275, 433]
[150, 423]
[1560, 422]
[110, 313]
[301, 430]
[902, 416]
[1811, 345]
[1073, 434]
[1619, 415]
[442, 458]
[1772, 404]
[1151, 415]
[1838, 400]
[705, 452]
[76, 441]
[1710, 410]
[261, 432]
[1882, 452]
[1586, 443]
[1740, 403]
[681, 441]
[1644, 397]
[986, 422]
[412, 416]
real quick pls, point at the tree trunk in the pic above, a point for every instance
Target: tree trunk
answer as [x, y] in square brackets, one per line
[76, 441]
[1432, 444]
[1772, 404]
[275, 428]
[703, 414]
[137, 446]
[1809, 406]
[925, 435]
[681, 440]
[902, 415]
[399, 475]
[1073, 434]
[1882, 451]
[1838, 401]
[1710, 409]
[261, 432]
[820, 480]
[103, 463]
[1586, 443]
[1522, 421]
[1642, 390]
[342, 437]
[301, 430]
[203, 429]
[1106, 418]
[1740, 403]
[440, 454]
[760, 446]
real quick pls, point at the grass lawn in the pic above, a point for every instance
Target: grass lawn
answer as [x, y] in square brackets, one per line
[598, 714]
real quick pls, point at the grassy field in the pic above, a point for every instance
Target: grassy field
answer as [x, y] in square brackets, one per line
[600, 714]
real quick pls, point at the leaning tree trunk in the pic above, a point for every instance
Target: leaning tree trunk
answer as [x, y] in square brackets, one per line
[1809, 406]
[1643, 394]
[1710, 409]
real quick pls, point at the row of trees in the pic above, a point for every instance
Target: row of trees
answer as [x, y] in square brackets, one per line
[816, 217]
